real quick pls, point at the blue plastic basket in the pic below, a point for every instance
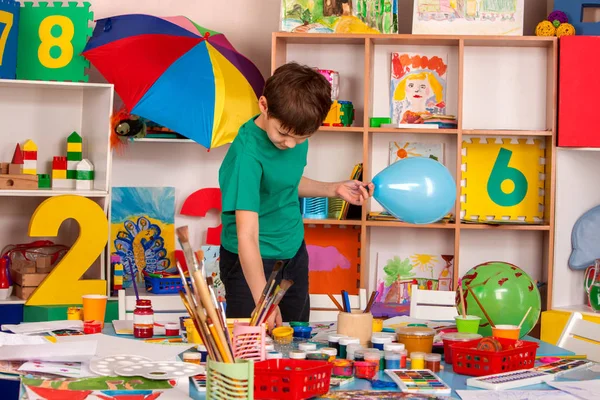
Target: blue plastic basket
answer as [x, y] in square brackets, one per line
[314, 207]
[164, 285]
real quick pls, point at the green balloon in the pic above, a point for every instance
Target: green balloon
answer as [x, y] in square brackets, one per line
[505, 291]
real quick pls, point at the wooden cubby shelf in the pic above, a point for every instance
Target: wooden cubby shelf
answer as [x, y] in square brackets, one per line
[497, 86]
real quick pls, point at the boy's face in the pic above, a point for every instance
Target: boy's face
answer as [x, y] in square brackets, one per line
[280, 137]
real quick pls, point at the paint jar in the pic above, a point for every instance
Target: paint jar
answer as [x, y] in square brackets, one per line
[506, 331]
[317, 356]
[456, 337]
[376, 356]
[416, 338]
[302, 332]
[359, 354]
[283, 335]
[345, 342]
[192, 357]
[403, 357]
[433, 361]
[271, 355]
[203, 353]
[143, 319]
[356, 324]
[192, 334]
[417, 360]
[91, 327]
[307, 346]
[392, 360]
[75, 313]
[365, 369]
[352, 350]
[172, 329]
[377, 324]
[334, 341]
[396, 347]
[342, 368]
[297, 355]
[331, 353]
[378, 340]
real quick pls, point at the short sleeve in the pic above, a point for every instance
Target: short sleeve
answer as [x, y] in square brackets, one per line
[240, 184]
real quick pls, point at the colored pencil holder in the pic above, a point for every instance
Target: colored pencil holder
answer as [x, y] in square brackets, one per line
[227, 381]
[356, 324]
[314, 207]
[249, 342]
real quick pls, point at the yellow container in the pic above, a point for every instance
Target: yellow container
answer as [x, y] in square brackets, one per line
[74, 313]
[416, 338]
[193, 336]
[377, 325]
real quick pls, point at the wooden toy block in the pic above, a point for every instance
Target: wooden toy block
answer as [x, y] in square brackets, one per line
[22, 292]
[59, 163]
[44, 181]
[43, 264]
[30, 167]
[59, 174]
[4, 168]
[25, 283]
[24, 266]
[18, 155]
[18, 182]
[15, 169]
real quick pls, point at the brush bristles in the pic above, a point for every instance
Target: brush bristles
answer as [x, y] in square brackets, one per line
[183, 234]
[285, 284]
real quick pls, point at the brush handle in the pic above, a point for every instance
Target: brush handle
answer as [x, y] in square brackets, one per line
[481, 307]
[197, 325]
[337, 304]
[371, 301]
[462, 300]
[268, 286]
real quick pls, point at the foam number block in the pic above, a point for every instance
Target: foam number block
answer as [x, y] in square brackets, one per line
[93, 226]
[198, 204]
[9, 32]
[503, 180]
[51, 39]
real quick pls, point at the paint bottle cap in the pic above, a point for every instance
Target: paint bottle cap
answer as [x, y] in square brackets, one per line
[433, 357]
[335, 337]
[393, 347]
[392, 355]
[273, 355]
[297, 355]
[330, 351]
[381, 339]
[417, 355]
[415, 331]
[191, 356]
[373, 355]
[307, 346]
[269, 347]
[349, 340]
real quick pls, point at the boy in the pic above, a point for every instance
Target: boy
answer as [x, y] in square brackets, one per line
[261, 182]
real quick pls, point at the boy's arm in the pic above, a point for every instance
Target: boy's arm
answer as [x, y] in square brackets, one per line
[354, 192]
[249, 252]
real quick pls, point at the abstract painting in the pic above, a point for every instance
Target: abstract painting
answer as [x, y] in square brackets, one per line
[418, 87]
[142, 230]
[339, 16]
[333, 259]
[397, 273]
[468, 17]
[400, 150]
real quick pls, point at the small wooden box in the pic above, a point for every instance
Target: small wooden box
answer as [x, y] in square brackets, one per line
[18, 182]
[27, 275]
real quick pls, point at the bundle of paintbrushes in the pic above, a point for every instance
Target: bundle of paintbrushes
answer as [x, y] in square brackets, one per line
[202, 305]
[270, 297]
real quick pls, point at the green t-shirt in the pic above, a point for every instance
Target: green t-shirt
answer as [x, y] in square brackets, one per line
[257, 176]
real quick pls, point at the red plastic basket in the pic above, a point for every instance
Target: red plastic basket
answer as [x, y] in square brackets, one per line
[291, 379]
[467, 360]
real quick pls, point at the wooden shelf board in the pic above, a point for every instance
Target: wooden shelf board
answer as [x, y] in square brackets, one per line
[163, 140]
[412, 130]
[582, 308]
[52, 192]
[19, 83]
[579, 148]
[349, 222]
[320, 38]
[399, 224]
[353, 129]
[509, 41]
[505, 227]
[504, 132]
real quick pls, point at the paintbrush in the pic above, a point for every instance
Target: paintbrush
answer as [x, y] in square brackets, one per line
[268, 285]
[462, 299]
[284, 286]
[371, 301]
[222, 317]
[195, 320]
[264, 301]
[481, 307]
[523, 320]
[183, 237]
[337, 304]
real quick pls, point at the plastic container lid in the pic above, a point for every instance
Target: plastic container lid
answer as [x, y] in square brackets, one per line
[330, 351]
[172, 325]
[418, 355]
[273, 355]
[297, 355]
[415, 331]
[345, 341]
[373, 355]
[393, 347]
[307, 346]
[359, 351]
[191, 356]
[269, 347]
[433, 357]
[297, 323]
[335, 337]
[392, 355]
[381, 339]
[460, 337]
[283, 331]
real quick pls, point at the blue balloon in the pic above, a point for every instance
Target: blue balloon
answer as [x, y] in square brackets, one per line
[416, 190]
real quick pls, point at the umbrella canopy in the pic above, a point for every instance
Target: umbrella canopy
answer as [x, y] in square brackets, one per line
[178, 74]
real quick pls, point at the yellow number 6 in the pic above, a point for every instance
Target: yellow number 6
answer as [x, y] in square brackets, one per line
[63, 41]
[62, 285]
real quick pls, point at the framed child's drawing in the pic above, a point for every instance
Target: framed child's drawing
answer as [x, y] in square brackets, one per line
[468, 17]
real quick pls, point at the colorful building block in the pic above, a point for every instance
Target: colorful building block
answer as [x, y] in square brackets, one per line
[44, 181]
[85, 175]
[59, 174]
[30, 150]
[59, 162]
[74, 155]
[18, 155]
[118, 276]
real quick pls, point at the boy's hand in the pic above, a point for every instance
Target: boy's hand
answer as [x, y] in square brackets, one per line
[274, 320]
[354, 192]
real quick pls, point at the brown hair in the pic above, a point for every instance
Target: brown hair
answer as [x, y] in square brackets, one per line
[299, 97]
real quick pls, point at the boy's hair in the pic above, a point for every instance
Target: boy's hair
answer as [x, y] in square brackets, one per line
[299, 97]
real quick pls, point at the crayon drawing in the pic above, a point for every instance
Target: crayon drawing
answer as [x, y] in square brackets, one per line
[418, 87]
[142, 230]
[401, 150]
[468, 17]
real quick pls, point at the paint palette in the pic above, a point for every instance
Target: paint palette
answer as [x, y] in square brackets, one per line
[106, 366]
[160, 370]
[510, 380]
[563, 366]
[422, 381]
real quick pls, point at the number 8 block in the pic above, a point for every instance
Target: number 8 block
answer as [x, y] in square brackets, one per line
[503, 180]
[51, 40]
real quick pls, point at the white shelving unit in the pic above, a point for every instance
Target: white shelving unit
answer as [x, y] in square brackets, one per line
[47, 113]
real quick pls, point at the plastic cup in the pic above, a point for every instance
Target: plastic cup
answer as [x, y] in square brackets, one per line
[94, 307]
[468, 324]
[506, 332]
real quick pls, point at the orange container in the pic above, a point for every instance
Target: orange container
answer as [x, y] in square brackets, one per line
[506, 332]
[416, 338]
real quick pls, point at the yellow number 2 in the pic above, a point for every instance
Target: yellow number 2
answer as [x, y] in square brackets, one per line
[63, 41]
[7, 19]
[62, 285]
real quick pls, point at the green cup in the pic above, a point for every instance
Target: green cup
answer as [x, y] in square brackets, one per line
[468, 324]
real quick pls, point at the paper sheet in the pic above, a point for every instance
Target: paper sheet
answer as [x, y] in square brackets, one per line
[514, 395]
[111, 345]
[41, 327]
[583, 390]
[9, 339]
[83, 350]
[70, 370]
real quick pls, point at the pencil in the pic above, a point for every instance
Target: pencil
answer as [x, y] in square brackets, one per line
[337, 304]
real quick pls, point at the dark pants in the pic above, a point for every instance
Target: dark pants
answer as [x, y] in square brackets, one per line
[295, 305]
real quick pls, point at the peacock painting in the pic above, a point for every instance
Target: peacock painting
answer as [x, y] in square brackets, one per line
[142, 230]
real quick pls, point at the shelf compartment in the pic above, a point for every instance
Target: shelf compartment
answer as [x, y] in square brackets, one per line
[416, 131]
[52, 192]
[505, 227]
[505, 132]
[163, 140]
[400, 224]
[347, 222]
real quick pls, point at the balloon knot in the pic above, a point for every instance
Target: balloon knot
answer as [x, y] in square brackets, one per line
[206, 35]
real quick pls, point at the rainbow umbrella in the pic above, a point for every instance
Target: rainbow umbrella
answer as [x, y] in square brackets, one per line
[178, 74]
